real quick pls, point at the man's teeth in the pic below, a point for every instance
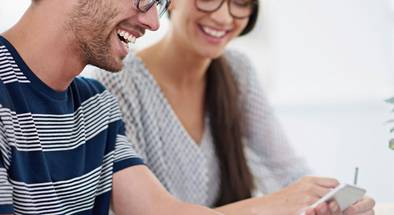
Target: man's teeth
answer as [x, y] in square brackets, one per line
[213, 32]
[128, 37]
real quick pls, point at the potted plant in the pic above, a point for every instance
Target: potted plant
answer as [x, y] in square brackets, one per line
[391, 124]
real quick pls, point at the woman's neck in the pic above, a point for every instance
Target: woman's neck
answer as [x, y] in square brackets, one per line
[174, 64]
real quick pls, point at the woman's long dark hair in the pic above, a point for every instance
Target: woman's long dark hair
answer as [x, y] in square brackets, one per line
[226, 124]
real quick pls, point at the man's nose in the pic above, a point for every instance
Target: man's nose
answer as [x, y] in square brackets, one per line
[150, 19]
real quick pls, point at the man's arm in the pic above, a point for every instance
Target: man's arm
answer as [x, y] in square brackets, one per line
[136, 191]
[5, 191]
[6, 206]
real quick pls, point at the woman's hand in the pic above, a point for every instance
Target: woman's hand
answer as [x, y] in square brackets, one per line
[363, 207]
[295, 198]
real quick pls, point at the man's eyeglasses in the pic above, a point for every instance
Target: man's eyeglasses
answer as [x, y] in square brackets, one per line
[238, 9]
[144, 5]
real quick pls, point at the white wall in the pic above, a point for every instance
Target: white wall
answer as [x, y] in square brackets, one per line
[327, 66]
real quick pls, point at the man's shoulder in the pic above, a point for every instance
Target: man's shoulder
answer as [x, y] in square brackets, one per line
[7, 95]
[88, 86]
[92, 92]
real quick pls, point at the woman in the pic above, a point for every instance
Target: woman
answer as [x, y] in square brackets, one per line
[197, 115]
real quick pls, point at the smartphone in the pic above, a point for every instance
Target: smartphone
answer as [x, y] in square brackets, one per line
[344, 194]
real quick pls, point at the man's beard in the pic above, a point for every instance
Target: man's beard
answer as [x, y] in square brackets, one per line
[89, 24]
[96, 52]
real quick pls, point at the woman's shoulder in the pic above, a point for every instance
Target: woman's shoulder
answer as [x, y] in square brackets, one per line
[235, 56]
[241, 66]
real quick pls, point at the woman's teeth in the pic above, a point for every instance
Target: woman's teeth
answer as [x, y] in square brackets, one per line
[127, 38]
[214, 33]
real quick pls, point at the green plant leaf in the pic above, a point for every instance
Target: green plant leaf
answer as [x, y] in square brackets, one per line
[390, 100]
[391, 121]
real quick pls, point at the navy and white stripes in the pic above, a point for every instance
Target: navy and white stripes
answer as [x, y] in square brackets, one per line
[58, 150]
[44, 132]
[63, 197]
[5, 191]
[9, 70]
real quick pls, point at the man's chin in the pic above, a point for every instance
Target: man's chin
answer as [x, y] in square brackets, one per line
[114, 71]
[113, 67]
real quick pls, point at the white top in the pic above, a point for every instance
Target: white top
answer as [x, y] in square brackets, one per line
[190, 171]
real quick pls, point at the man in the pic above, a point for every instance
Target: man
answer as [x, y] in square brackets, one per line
[62, 143]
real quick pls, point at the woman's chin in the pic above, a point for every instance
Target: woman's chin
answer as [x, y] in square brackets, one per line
[212, 54]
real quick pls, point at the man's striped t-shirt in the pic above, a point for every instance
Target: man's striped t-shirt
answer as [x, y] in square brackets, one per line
[58, 150]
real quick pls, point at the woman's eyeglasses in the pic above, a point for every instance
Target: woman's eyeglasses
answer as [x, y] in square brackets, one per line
[145, 5]
[238, 9]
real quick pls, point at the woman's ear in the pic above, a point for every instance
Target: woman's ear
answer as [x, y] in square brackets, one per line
[172, 4]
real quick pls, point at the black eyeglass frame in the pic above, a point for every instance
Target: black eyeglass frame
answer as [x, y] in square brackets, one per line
[146, 8]
[254, 4]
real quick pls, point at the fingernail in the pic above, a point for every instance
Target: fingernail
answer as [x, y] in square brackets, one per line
[333, 207]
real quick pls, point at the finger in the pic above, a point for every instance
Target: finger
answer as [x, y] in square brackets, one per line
[334, 207]
[322, 209]
[310, 211]
[366, 204]
[319, 191]
[327, 182]
[370, 212]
